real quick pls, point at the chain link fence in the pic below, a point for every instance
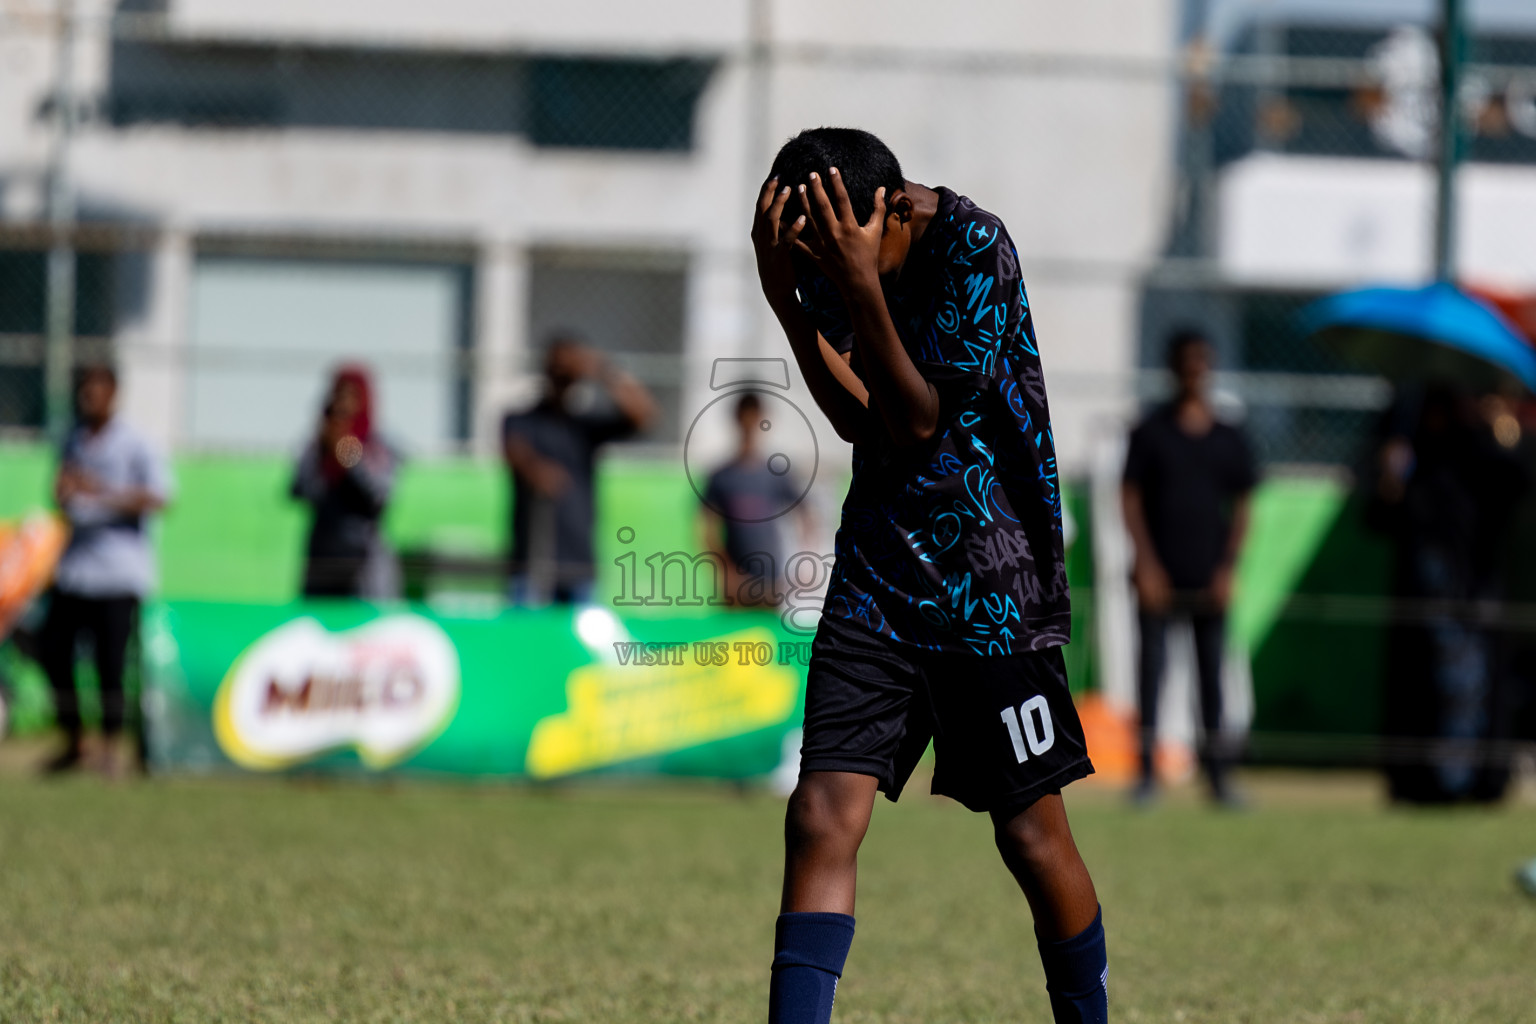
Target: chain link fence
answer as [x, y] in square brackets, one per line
[236, 329]
[1271, 88]
[230, 315]
[1338, 99]
[24, 257]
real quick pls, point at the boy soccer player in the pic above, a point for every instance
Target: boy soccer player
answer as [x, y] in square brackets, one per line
[948, 603]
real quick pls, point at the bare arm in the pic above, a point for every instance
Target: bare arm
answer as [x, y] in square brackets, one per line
[1222, 579]
[1153, 587]
[73, 482]
[1241, 515]
[136, 501]
[908, 404]
[67, 483]
[546, 476]
[805, 523]
[847, 251]
[632, 397]
[838, 391]
[712, 529]
[1136, 522]
[711, 532]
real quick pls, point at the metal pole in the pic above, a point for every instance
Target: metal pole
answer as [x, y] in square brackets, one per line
[756, 125]
[58, 362]
[1452, 55]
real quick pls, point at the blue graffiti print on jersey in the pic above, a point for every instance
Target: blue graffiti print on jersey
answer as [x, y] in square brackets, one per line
[955, 544]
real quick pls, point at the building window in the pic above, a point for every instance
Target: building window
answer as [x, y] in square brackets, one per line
[614, 104]
[24, 323]
[581, 102]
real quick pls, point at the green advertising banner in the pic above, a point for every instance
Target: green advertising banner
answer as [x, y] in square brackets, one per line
[548, 694]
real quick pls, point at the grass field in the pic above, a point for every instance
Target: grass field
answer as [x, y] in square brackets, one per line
[238, 900]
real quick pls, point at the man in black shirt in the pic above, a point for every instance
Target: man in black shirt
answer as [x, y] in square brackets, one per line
[550, 452]
[1186, 487]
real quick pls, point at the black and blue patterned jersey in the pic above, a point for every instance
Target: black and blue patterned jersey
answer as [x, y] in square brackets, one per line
[955, 543]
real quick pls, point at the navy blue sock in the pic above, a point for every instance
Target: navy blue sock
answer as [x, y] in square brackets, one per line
[1075, 973]
[808, 955]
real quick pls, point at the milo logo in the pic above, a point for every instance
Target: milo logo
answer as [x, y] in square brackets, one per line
[384, 689]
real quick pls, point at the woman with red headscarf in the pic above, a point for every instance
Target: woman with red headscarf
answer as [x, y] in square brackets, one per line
[345, 474]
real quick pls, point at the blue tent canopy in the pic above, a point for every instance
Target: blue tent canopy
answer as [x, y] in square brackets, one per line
[1436, 332]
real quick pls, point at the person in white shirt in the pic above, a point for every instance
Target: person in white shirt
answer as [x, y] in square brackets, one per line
[110, 481]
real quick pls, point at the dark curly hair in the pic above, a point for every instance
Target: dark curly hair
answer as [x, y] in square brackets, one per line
[862, 160]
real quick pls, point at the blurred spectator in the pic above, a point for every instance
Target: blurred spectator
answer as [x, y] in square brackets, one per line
[346, 474]
[550, 453]
[1516, 708]
[110, 480]
[1185, 494]
[1446, 492]
[745, 502]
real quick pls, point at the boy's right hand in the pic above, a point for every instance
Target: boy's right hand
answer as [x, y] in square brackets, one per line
[774, 241]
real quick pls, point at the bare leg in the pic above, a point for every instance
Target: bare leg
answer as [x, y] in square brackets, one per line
[1037, 846]
[823, 826]
[826, 820]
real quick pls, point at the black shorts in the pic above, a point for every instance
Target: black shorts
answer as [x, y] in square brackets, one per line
[1005, 731]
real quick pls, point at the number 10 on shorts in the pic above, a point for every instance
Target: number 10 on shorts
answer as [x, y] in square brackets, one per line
[1026, 727]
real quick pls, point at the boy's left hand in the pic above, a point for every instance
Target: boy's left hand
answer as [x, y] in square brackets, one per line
[846, 251]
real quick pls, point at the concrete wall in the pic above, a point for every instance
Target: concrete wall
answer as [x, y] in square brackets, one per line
[1075, 158]
[1310, 221]
[584, 25]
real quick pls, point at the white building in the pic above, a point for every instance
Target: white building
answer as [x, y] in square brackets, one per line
[1313, 211]
[433, 187]
[1308, 168]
